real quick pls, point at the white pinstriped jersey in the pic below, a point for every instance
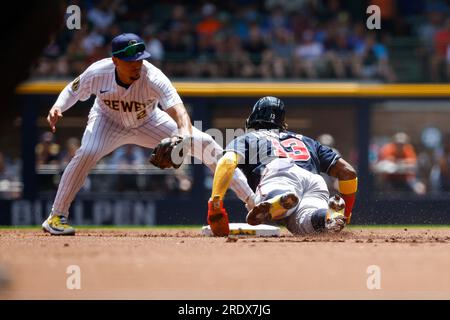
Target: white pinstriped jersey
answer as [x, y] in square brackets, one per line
[120, 116]
[129, 107]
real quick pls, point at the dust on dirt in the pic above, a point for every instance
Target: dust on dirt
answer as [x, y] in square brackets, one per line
[183, 264]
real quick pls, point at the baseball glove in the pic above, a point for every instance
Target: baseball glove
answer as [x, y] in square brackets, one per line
[168, 153]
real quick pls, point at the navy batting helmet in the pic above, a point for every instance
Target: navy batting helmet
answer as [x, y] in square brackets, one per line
[268, 113]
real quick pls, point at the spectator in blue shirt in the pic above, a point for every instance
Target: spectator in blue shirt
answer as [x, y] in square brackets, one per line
[371, 60]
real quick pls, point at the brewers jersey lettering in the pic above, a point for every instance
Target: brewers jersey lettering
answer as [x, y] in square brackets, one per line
[127, 115]
[129, 107]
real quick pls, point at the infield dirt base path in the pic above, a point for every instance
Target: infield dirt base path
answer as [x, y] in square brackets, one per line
[174, 264]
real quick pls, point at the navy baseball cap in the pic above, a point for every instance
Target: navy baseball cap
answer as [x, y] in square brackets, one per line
[129, 47]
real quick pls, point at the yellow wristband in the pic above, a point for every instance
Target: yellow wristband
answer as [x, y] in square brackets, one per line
[348, 186]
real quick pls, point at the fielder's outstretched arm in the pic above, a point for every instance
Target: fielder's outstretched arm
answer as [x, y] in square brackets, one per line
[78, 89]
[179, 114]
[224, 174]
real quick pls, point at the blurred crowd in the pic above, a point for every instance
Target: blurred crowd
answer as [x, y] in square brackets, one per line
[398, 165]
[271, 39]
[10, 184]
[125, 169]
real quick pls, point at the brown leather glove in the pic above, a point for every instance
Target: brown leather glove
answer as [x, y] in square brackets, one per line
[168, 153]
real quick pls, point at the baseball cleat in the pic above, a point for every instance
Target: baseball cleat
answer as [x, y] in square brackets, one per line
[334, 221]
[218, 218]
[335, 218]
[57, 225]
[272, 209]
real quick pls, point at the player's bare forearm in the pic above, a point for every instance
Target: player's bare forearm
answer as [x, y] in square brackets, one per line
[348, 184]
[342, 170]
[224, 174]
[179, 114]
[53, 116]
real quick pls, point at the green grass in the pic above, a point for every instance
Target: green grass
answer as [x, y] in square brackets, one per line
[197, 227]
[132, 227]
[399, 226]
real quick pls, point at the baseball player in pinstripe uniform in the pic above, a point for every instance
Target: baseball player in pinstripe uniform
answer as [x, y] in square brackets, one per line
[130, 93]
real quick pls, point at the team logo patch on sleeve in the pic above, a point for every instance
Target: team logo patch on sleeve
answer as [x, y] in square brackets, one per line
[76, 84]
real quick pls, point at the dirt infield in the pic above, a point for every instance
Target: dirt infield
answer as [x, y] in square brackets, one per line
[174, 264]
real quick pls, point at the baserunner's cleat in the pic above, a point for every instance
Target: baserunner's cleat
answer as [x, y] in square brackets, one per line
[272, 209]
[335, 218]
